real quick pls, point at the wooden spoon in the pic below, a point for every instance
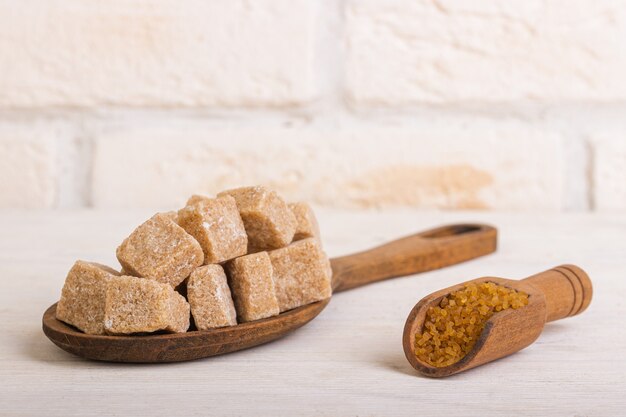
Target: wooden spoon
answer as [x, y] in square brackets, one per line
[424, 251]
[555, 294]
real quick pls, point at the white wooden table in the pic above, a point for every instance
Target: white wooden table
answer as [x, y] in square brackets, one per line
[348, 361]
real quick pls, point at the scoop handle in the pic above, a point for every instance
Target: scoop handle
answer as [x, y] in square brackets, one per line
[567, 289]
[425, 251]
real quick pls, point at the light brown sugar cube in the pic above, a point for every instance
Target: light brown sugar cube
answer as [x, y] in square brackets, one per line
[307, 225]
[172, 215]
[216, 224]
[196, 198]
[251, 281]
[83, 296]
[161, 250]
[210, 298]
[139, 305]
[327, 267]
[301, 274]
[268, 221]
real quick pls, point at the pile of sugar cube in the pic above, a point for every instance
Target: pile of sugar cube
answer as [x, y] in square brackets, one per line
[244, 255]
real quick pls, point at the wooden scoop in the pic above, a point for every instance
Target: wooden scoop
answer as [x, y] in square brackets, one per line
[421, 252]
[555, 294]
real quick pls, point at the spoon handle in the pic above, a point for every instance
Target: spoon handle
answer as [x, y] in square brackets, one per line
[425, 251]
[567, 289]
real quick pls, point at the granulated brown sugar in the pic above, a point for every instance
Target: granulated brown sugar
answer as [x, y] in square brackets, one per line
[452, 328]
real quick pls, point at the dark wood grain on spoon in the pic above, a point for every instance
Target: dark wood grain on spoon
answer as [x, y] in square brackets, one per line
[420, 252]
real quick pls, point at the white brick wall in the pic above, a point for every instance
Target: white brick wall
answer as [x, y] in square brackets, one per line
[156, 53]
[28, 169]
[514, 105]
[439, 168]
[609, 171]
[403, 52]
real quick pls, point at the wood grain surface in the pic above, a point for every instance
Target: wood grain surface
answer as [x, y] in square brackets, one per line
[349, 361]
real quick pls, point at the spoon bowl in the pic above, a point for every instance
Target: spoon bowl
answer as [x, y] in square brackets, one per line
[176, 347]
[420, 252]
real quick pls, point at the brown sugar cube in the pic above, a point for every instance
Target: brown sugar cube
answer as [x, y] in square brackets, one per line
[210, 298]
[307, 225]
[83, 296]
[161, 250]
[250, 279]
[172, 215]
[139, 305]
[301, 274]
[196, 198]
[216, 224]
[327, 266]
[269, 222]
